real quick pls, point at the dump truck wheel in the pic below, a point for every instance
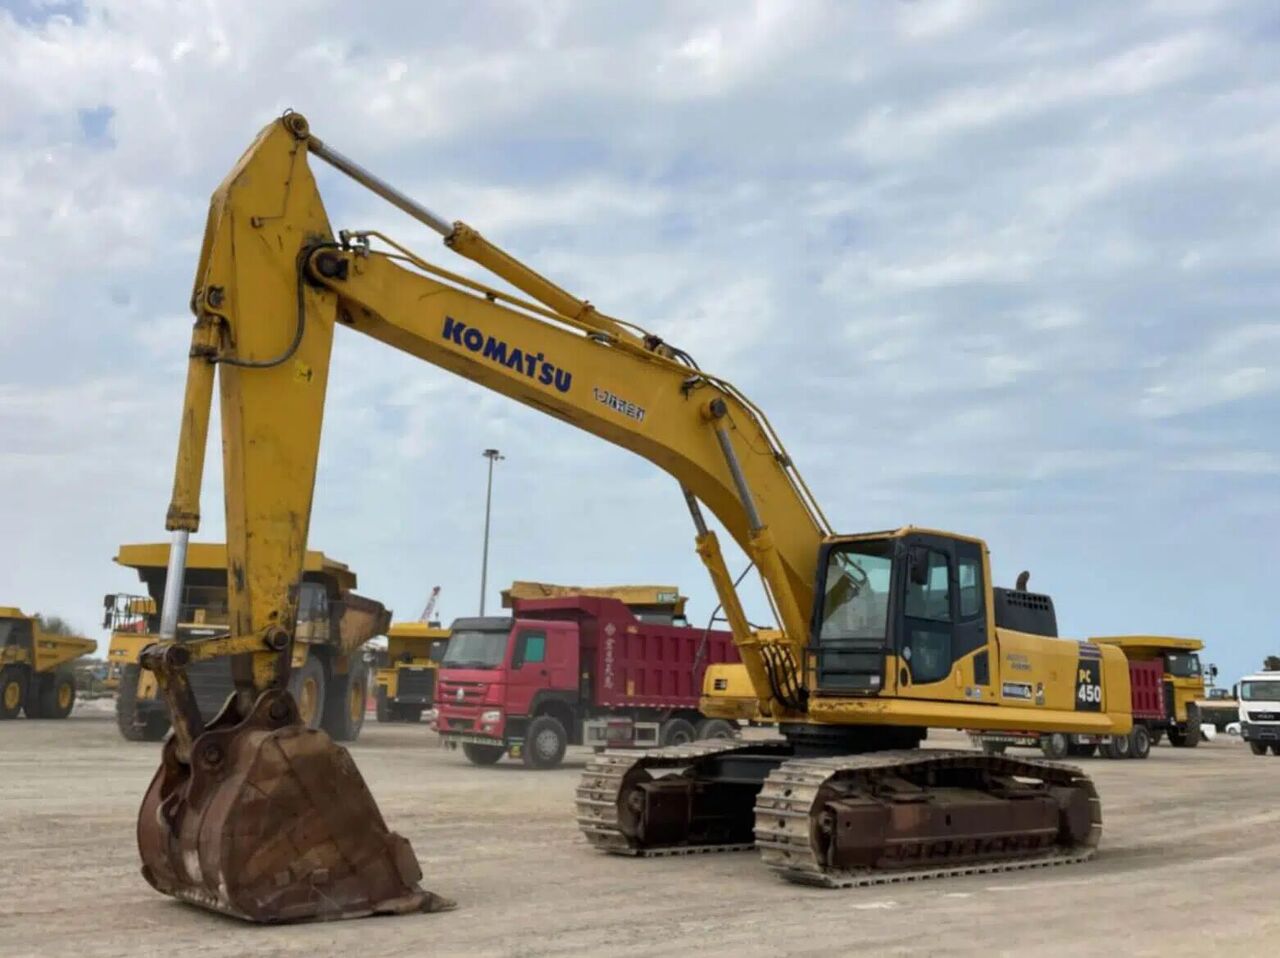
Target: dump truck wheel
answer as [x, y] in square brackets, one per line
[345, 702]
[57, 695]
[544, 742]
[384, 711]
[156, 724]
[1258, 748]
[13, 687]
[1139, 742]
[676, 731]
[716, 728]
[1054, 745]
[308, 687]
[1116, 746]
[482, 754]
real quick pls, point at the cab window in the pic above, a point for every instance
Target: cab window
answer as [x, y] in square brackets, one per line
[532, 648]
[1182, 665]
[931, 599]
[969, 571]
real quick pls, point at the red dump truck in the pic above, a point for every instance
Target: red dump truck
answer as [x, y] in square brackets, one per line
[573, 670]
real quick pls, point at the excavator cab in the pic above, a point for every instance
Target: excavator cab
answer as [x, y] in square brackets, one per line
[902, 614]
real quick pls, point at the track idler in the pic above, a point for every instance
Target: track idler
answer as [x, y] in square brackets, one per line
[270, 821]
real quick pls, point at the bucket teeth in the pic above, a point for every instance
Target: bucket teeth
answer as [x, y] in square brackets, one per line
[272, 822]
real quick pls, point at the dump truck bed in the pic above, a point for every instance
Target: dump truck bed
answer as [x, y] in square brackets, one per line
[633, 663]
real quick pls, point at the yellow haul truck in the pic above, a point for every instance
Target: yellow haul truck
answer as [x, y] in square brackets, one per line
[329, 677]
[35, 673]
[407, 681]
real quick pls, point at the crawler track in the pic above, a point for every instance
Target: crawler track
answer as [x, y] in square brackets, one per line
[791, 798]
[786, 805]
[607, 775]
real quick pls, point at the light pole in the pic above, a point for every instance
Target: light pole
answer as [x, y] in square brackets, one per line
[493, 456]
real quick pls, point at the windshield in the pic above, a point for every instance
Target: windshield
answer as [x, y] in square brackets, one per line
[475, 650]
[856, 591]
[1183, 665]
[1266, 691]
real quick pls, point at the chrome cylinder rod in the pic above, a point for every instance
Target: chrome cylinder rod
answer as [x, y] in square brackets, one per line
[173, 584]
[378, 185]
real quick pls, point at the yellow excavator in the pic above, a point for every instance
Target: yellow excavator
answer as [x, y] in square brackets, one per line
[879, 636]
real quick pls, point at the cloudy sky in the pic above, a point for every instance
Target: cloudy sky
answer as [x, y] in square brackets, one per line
[1009, 269]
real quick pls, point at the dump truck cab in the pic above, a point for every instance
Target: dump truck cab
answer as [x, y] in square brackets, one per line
[1259, 696]
[407, 670]
[36, 676]
[329, 678]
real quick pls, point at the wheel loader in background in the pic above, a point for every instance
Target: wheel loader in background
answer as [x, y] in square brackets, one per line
[329, 676]
[36, 677]
[880, 636]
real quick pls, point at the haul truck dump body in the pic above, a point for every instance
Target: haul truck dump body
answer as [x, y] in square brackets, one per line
[329, 677]
[36, 677]
[578, 670]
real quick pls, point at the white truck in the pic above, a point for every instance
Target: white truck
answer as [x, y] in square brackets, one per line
[1260, 712]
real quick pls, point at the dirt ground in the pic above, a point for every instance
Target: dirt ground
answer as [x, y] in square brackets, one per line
[1190, 864]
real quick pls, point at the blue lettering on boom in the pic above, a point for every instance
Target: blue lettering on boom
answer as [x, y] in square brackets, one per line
[498, 352]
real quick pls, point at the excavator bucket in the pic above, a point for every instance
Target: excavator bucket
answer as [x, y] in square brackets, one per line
[270, 821]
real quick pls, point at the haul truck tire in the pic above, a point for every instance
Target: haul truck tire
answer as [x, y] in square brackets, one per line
[1186, 736]
[345, 702]
[13, 688]
[478, 754]
[1258, 748]
[57, 695]
[156, 724]
[384, 711]
[544, 742]
[716, 728]
[308, 687]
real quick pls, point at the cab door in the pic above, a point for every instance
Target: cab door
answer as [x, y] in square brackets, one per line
[942, 634]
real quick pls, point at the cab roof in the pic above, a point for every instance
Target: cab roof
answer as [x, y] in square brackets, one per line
[416, 630]
[213, 555]
[1150, 642]
[12, 612]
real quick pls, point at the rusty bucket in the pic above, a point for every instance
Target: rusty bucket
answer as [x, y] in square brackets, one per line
[272, 822]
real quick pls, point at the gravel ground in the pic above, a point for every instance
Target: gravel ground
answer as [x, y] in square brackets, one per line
[1190, 864]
